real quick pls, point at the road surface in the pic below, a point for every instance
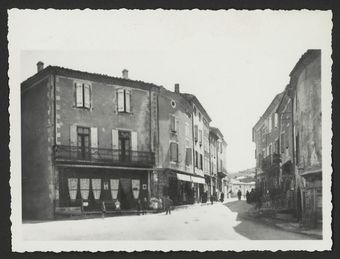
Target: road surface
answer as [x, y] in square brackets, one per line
[195, 222]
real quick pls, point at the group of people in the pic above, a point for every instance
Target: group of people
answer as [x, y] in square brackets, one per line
[254, 196]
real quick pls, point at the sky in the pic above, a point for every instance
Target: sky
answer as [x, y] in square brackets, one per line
[235, 62]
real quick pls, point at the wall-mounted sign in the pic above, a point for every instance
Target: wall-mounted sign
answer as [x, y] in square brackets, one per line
[144, 186]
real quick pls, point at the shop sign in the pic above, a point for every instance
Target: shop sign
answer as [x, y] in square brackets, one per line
[144, 186]
[106, 185]
[135, 188]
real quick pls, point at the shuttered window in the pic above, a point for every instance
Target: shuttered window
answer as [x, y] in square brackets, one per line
[172, 123]
[196, 133]
[200, 137]
[174, 152]
[282, 142]
[201, 161]
[83, 95]
[124, 100]
[188, 156]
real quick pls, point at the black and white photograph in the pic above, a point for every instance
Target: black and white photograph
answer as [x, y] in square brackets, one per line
[196, 130]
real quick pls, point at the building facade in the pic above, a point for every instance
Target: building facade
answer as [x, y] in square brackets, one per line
[86, 138]
[200, 121]
[299, 150]
[267, 153]
[174, 172]
[305, 86]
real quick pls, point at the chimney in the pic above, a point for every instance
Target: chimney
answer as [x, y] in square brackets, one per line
[177, 88]
[125, 73]
[40, 66]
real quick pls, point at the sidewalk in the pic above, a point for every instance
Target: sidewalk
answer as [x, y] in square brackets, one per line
[285, 223]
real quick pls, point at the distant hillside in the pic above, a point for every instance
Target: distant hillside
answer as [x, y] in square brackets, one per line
[246, 176]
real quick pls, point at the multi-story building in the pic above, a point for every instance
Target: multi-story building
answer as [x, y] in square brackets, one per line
[173, 175]
[86, 138]
[286, 151]
[219, 159]
[213, 141]
[305, 86]
[200, 121]
[267, 153]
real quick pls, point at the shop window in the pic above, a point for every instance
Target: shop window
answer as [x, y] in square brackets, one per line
[124, 100]
[83, 95]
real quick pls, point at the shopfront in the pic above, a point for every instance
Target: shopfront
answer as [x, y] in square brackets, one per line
[89, 187]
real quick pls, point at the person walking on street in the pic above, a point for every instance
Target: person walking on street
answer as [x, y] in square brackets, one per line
[211, 199]
[167, 205]
[247, 196]
[103, 209]
[139, 207]
[144, 205]
[239, 194]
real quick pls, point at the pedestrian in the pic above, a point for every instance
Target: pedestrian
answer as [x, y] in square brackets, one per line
[222, 197]
[167, 205]
[211, 199]
[103, 209]
[139, 207]
[144, 205]
[247, 196]
[239, 194]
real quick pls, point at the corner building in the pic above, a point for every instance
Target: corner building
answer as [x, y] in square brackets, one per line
[86, 138]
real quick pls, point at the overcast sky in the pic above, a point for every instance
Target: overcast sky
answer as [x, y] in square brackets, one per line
[235, 62]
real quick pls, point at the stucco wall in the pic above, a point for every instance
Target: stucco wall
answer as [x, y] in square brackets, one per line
[103, 113]
[166, 136]
[36, 136]
[308, 116]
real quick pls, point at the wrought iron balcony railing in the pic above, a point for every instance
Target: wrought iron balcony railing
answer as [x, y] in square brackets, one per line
[115, 157]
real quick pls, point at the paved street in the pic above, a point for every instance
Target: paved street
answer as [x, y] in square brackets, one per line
[196, 222]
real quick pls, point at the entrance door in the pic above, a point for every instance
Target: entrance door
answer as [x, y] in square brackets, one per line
[83, 142]
[124, 145]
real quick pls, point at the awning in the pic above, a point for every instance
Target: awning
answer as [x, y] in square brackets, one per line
[183, 177]
[197, 179]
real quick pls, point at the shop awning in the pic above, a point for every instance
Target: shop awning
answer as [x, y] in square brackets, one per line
[197, 179]
[183, 177]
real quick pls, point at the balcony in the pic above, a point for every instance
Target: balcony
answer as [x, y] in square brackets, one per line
[102, 156]
[271, 161]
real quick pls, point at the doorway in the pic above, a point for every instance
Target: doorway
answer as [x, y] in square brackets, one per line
[124, 145]
[83, 142]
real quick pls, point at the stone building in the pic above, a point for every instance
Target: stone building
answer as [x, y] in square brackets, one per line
[86, 138]
[174, 172]
[219, 160]
[267, 153]
[200, 121]
[305, 86]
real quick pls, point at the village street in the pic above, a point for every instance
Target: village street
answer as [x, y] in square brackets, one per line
[194, 222]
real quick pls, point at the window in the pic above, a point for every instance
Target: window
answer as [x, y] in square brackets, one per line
[282, 142]
[83, 142]
[188, 157]
[196, 159]
[297, 149]
[199, 116]
[276, 117]
[174, 152]
[123, 100]
[172, 123]
[196, 133]
[200, 137]
[195, 110]
[270, 124]
[201, 162]
[187, 130]
[83, 95]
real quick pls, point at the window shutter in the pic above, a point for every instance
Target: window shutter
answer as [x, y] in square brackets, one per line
[196, 132]
[94, 137]
[120, 97]
[79, 95]
[127, 100]
[134, 141]
[87, 96]
[73, 135]
[172, 122]
[172, 151]
[176, 124]
[187, 130]
[114, 139]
